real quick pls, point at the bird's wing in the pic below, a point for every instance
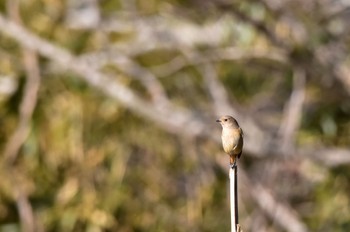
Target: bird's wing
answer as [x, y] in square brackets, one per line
[240, 142]
[241, 132]
[239, 155]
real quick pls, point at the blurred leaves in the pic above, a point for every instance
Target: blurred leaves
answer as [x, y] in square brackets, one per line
[91, 163]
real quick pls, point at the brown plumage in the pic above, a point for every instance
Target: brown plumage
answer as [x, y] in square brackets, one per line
[232, 137]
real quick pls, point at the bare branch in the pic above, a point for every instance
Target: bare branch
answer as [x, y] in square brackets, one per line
[130, 67]
[154, 31]
[260, 26]
[217, 55]
[216, 90]
[343, 74]
[25, 210]
[29, 99]
[280, 212]
[27, 106]
[330, 157]
[147, 79]
[21, 133]
[277, 211]
[293, 111]
[171, 118]
[333, 56]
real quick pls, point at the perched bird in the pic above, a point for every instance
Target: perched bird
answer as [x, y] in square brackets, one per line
[232, 138]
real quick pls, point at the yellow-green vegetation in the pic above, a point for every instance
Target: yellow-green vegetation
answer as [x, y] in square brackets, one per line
[108, 108]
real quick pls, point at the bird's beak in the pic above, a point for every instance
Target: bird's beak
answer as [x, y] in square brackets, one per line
[218, 120]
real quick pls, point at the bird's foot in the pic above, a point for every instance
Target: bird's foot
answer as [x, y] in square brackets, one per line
[234, 165]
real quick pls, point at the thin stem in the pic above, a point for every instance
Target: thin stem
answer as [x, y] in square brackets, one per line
[236, 194]
[233, 198]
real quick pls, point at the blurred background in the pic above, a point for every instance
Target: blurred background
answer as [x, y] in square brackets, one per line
[108, 113]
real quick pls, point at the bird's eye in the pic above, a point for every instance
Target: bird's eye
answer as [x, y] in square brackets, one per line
[225, 120]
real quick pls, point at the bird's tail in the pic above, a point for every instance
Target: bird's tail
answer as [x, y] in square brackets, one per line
[232, 159]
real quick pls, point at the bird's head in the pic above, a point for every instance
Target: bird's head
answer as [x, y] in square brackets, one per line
[228, 121]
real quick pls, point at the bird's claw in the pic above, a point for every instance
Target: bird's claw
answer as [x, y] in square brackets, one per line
[234, 165]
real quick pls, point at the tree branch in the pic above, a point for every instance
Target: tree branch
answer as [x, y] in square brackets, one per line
[128, 66]
[282, 213]
[171, 118]
[26, 109]
[293, 111]
[216, 90]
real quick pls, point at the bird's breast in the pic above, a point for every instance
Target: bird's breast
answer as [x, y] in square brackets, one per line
[230, 139]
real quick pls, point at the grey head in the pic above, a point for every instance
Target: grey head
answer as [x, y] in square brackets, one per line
[228, 121]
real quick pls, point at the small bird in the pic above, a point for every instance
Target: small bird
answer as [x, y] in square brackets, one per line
[232, 138]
